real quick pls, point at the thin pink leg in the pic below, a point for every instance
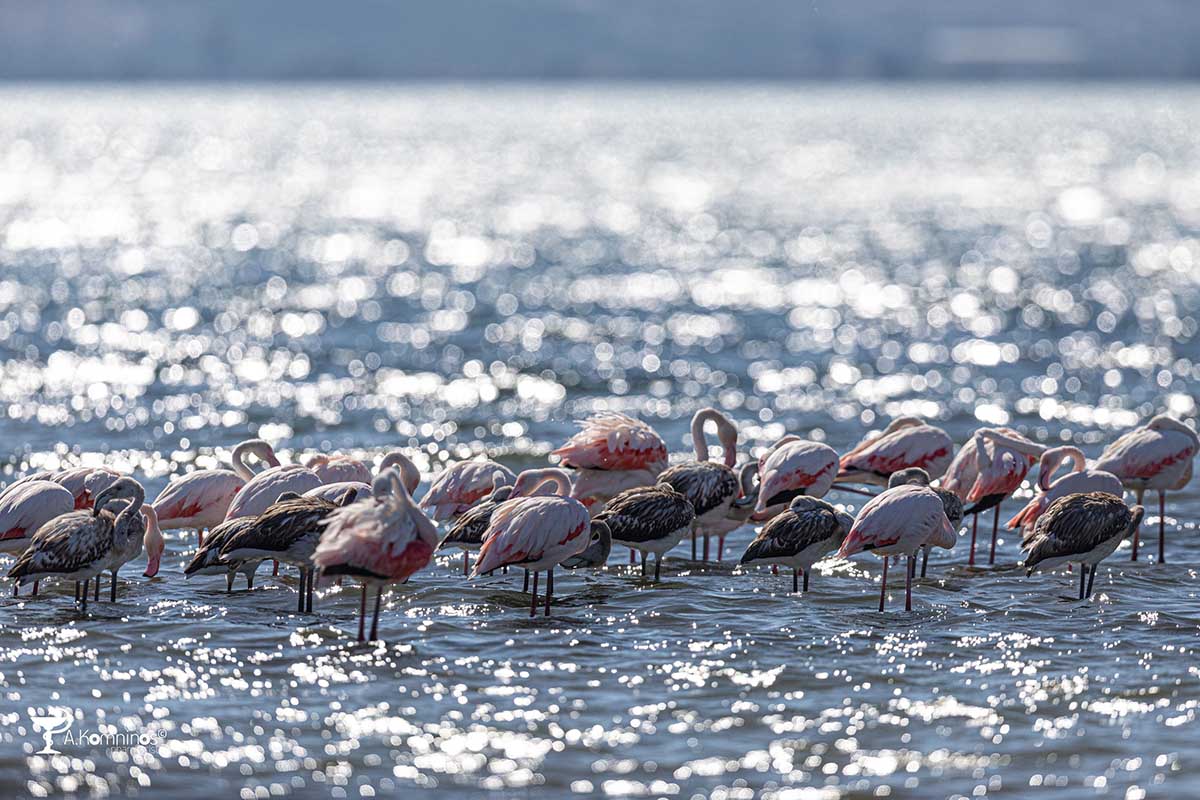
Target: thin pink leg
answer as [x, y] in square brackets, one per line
[1137, 531]
[1162, 527]
[974, 530]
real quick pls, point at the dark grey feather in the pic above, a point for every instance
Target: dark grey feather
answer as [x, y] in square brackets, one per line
[706, 484]
[647, 514]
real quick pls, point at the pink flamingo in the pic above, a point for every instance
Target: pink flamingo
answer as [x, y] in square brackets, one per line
[793, 467]
[200, 500]
[714, 489]
[611, 452]
[906, 442]
[461, 486]
[988, 469]
[1157, 456]
[339, 469]
[540, 533]
[262, 490]
[899, 521]
[1079, 479]
[26, 506]
[84, 483]
[380, 541]
[335, 491]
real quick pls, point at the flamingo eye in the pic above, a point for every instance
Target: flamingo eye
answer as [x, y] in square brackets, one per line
[595, 537]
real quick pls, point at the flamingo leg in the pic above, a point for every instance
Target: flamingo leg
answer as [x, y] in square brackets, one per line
[995, 525]
[533, 602]
[806, 581]
[550, 588]
[908, 576]
[35, 588]
[249, 581]
[693, 544]
[1162, 527]
[643, 565]
[795, 581]
[774, 569]
[300, 593]
[466, 563]
[657, 567]
[525, 588]
[229, 581]
[706, 548]
[852, 490]
[632, 557]
[362, 614]
[97, 588]
[720, 547]
[112, 589]
[974, 529]
[76, 592]
[1082, 579]
[275, 569]
[883, 584]
[15, 585]
[1091, 579]
[1137, 531]
[85, 596]
[375, 616]
[924, 560]
[312, 583]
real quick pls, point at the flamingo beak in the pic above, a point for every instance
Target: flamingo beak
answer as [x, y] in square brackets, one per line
[152, 564]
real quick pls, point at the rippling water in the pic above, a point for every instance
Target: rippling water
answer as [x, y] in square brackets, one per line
[457, 269]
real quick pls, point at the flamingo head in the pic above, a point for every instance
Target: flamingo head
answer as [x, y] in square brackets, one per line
[153, 542]
[598, 547]
[912, 475]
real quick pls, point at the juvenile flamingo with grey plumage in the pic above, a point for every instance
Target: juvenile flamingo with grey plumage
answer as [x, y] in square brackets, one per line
[799, 537]
[1083, 529]
[208, 560]
[649, 519]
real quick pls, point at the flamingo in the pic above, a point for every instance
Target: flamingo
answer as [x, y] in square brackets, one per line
[288, 531]
[339, 469]
[379, 541]
[793, 467]
[1080, 528]
[263, 490]
[905, 442]
[25, 507]
[799, 537]
[1080, 479]
[950, 502]
[896, 522]
[409, 475]
[79, 545]
[649, 519]
[988, 469]
[611, 452]
[208, 561]
[540, 533]
[1157, 456]
[460, 486]
[466, 533]
[84, 483]
[714, 489]
[201, 499]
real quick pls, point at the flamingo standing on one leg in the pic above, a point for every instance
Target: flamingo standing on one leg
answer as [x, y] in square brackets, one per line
[1079, 480]
[540, 533]
[24, 508]
[610, 453]
[1080, 528]
[200, 500]
[906, 442]
[988, 469]
[380, 541]
[649, 519]
[1157, 456]
[899, 521]
[715, 489]
[799, 537]
[793, 467]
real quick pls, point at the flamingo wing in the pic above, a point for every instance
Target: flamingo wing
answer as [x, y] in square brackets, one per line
[261, 491]
[462, 485]
[609, 440]
[196, 492]
[532, 529]
[29, 505]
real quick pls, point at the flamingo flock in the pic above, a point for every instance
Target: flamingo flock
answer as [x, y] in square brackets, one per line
[334, 517]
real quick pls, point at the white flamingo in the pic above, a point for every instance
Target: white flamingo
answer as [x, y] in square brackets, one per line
[1156, 457]
[1080, 479]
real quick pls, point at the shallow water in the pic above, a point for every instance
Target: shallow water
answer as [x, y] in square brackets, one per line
[453, 269]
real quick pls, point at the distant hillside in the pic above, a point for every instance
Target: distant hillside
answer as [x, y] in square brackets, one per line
[597, 39]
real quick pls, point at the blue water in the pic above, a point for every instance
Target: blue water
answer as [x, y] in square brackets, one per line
[455, 271]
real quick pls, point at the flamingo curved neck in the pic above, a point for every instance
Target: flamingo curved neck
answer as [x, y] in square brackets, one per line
[1054, 458]
[251, 447]
[537, 478]
[1165, 423]
[410, 476]
[726, 433]
[1020, 445]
